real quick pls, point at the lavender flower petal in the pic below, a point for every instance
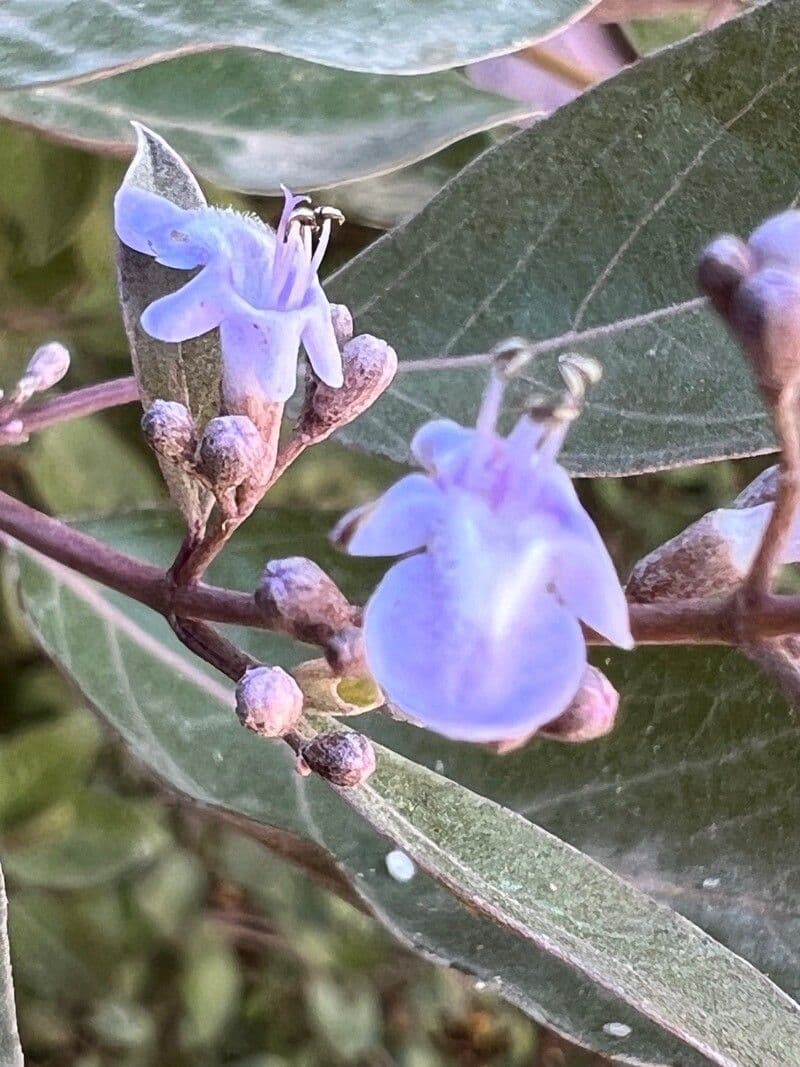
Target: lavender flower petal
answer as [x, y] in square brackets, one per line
[402, 520]
[319, 340]
[460, 677]
[198, 307]
[439, 440]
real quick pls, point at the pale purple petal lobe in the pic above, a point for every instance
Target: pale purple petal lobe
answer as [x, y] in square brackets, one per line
[401, 521]
[196, 308]
[319, 341]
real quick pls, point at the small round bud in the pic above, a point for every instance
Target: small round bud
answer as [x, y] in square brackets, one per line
[721, 268]
[591, 714]
[299, 597]
[343, 757]
[46, 368]
[346, 654]
[231, 450]
[268, 701]
[170, 432]
[342, 323]
[776, 242]
[368, 366]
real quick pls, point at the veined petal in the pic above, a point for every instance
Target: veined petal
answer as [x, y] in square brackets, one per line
[319, 340]
[438, 440]
[457, 676]
[400, 521]
[151, 224]
[260, 355]
[196, 308]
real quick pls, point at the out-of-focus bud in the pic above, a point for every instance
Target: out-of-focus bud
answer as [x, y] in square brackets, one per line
[755, 288]
[762, 490]
[342, 323]
[343, 758]
[231, 450]
[591, 714]
[46, 367]
[722, 267]
[298, 597]
[268, 701]
[368, 366]
[346, 654]
[327, 692]
[170, 431]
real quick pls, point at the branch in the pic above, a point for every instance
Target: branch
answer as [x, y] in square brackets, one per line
[707, 621]
[79, 403]
[769, 557]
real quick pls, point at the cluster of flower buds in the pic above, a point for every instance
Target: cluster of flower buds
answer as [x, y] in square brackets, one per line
[46, 367]
[228, 452]
[755, 288]
[270, 703]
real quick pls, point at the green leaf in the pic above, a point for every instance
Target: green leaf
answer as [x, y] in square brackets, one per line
[188, 372]
[270, 120]
[62, 465]
[104, 839]
[38, 218]
[10, 1050]
[390, 199]
[44, 765]
[582, 233]
[397, 38]
[690, 799]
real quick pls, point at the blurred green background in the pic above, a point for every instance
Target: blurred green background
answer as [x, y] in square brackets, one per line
[143, 932]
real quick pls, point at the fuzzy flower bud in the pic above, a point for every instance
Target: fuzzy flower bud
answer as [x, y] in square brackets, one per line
[170, 431]
[343, 757]
[591, 714]
[268, 701]
[368, 365]
[755, 288]
[299, 598]
[46, 367]
[231, 450]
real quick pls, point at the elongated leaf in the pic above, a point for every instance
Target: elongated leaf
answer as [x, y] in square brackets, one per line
[402, 37]
[651, 801]
[188, 372]
[582, 233]
[10, 1050]
[269, 120]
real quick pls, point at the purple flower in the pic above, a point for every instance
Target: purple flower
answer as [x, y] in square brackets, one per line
[477, 635]
[259, 288]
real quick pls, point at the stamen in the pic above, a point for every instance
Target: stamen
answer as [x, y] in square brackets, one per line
[511, 355]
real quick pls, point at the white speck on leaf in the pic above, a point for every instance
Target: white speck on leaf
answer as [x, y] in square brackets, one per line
[616, 1029]
[400, 866]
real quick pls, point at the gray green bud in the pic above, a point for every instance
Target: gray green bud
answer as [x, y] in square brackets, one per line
[343, 757]
[368, 367]
[170, 431]
[298, 597]
[592, 712]
[231, 450]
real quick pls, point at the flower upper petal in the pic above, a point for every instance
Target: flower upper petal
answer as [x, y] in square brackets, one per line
[439, 440]
[196, 308]
[400, 521]
[459, 677]
[151, 224]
